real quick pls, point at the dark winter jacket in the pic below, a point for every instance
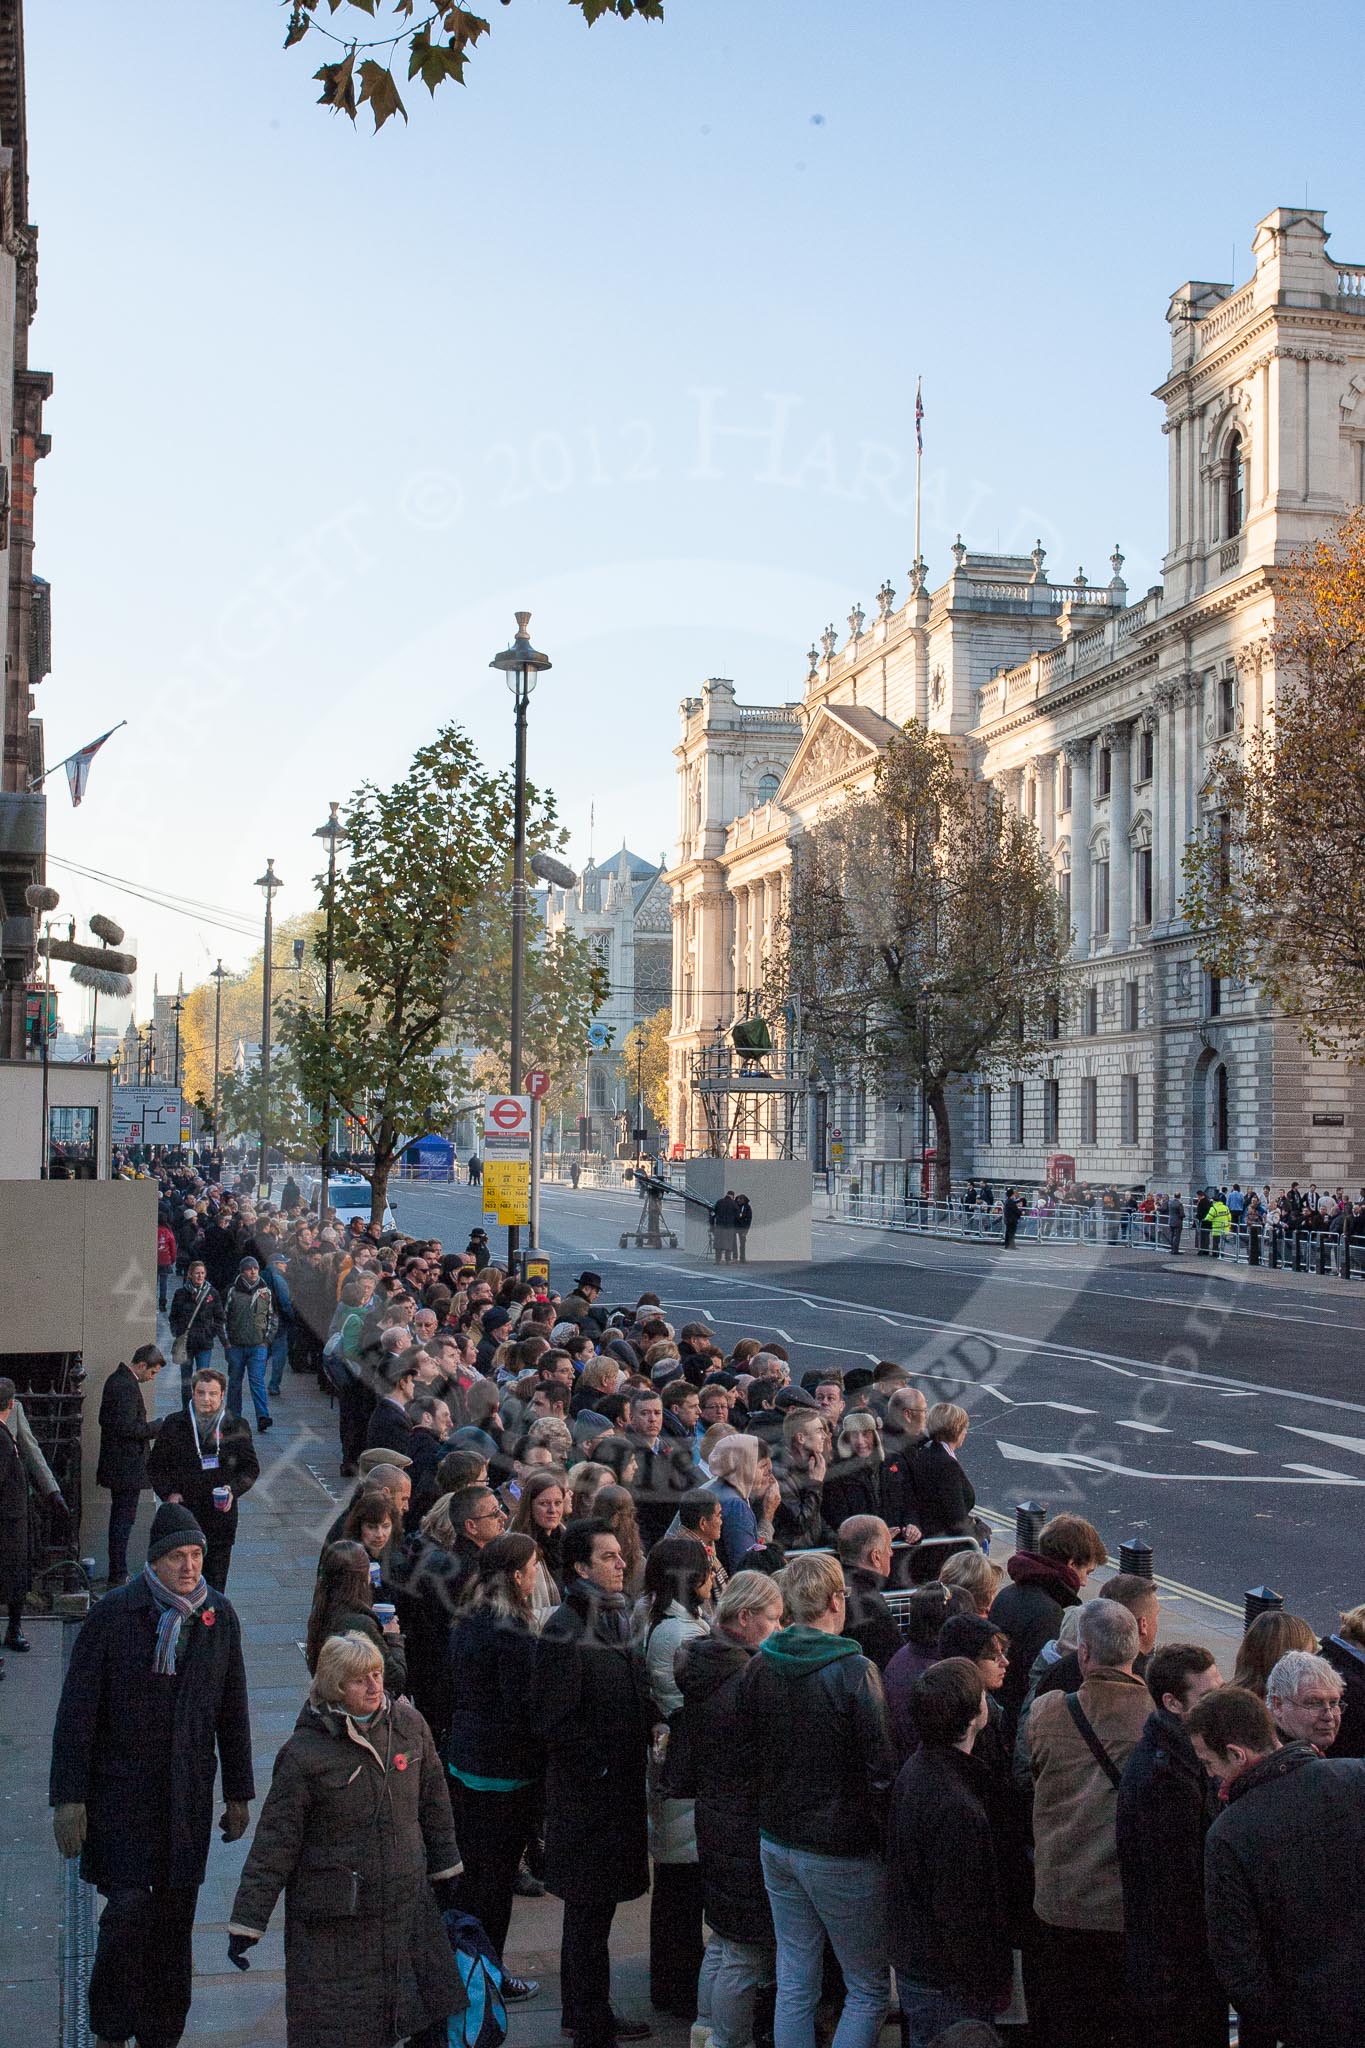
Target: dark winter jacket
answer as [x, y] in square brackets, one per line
[799, 1523]
[900, 1501]
[355, 1828]
[175, 1465]
[852, 1487]
[14, 1557]
[249, 1314]
[427, 1583]
[492, 1689]
[1348, 1661]
[1283, 1895]
[868, 1621]
[1166, 1806]
[943, 1491]
[828, 1792]
[125, 1434]
[910, 1662]
[595, 1715]
[666, 1472]
[141, 1752]
[389, 1428]
[1030, 1610]
[199, 1326]
[946, 1923]
[709, 1673]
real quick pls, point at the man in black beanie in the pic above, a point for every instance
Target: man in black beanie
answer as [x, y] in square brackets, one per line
[155, 1696]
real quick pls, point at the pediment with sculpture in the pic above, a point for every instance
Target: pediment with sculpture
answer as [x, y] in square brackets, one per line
[842, 743]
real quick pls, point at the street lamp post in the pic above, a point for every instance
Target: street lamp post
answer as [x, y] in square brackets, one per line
[218, 977]
[332, 831]
[269, 882]
[176, 1008]
[521, 666]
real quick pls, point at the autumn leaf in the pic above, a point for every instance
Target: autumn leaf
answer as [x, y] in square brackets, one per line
[433, 62]
[338, 85]
[378, 91]
[299, 25]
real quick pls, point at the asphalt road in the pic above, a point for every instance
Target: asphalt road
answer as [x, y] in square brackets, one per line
[1215, 1410]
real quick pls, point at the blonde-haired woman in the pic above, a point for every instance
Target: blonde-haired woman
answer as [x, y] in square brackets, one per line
[944, 1493]
[355, 1831]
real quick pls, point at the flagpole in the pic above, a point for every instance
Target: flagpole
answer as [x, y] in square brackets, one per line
[919, 469]
[36, 780]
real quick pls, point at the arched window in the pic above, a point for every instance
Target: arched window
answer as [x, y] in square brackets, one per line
[767, 789]
[1219, 1107]
[1234, 503]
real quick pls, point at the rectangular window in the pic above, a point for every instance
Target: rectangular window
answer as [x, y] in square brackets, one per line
[1052, 1105]
[1227, 704]
[1146, 753]
[1130, 1006]
[985, 1106]
[1032, 800]
[1064, 893]
[1090, 1109]
[1016, 1112]
[1142, 884]
[1222, 828]
[1129, 1110]
[1052, 1020]
[1090, 1012]
[1215, 1005]
[1101, 878]
[1064, 801]
[1104, 772]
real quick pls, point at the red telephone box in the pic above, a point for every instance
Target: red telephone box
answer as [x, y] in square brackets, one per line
[926, 1172]
[1061, 1169]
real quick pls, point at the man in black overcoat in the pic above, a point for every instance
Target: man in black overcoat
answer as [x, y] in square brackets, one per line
[125, 1433]
[595, 1717]
[154, 1698]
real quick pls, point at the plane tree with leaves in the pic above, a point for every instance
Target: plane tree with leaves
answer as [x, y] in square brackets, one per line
[430, 39]
[423, 860]
[1275, 883]
[922, 940]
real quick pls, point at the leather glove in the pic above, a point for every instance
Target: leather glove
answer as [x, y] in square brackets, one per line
[237, 1814]
[68, 1825]
[238, 1944]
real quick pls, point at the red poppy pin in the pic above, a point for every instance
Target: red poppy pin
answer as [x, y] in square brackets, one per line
[209, 1617]
[400, 1762]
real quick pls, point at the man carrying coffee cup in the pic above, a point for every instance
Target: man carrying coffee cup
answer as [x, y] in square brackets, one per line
[205, 1459]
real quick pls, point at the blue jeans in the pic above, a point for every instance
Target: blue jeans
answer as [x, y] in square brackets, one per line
[930, 2012]
[196, 1362]
[844, 1897]
[731, 1972]
[279, 1355]
[248, 1359]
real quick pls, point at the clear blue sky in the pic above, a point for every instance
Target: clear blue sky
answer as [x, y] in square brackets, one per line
[328, 405]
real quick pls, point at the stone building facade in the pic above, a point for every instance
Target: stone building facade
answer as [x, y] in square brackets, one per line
[1098, 716]
[25, 631]
[621, 908]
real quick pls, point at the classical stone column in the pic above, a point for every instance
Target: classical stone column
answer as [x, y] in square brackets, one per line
[1116, 738]
[1078, 753]
[1045, 778]
[1163, 789]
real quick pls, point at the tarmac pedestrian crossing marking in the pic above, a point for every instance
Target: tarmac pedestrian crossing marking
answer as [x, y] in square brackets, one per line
[1209, 1443]
[1326, 1436]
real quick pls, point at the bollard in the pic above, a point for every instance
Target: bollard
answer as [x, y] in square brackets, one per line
[1298, 1251]
[1260, 1600]
[1324, 1254]
[1275, 1244]
[1135, 1556]
[1345, 1267]
[1029, 1517]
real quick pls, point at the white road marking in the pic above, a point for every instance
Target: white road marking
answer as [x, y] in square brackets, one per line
[1325, 1436]
[1066, 1407]
[1211, 1443]
[1078, 1461]
[1147, 1428]
[987, 1388]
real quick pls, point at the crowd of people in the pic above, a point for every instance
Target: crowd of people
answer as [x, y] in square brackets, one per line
[614, 1610]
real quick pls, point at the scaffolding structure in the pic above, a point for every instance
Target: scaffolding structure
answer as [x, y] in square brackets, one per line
[745, 1101]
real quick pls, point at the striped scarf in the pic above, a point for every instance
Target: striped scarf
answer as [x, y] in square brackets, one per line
[173, 1611]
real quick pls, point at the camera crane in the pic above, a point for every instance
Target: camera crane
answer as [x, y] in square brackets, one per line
[651, 1233]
